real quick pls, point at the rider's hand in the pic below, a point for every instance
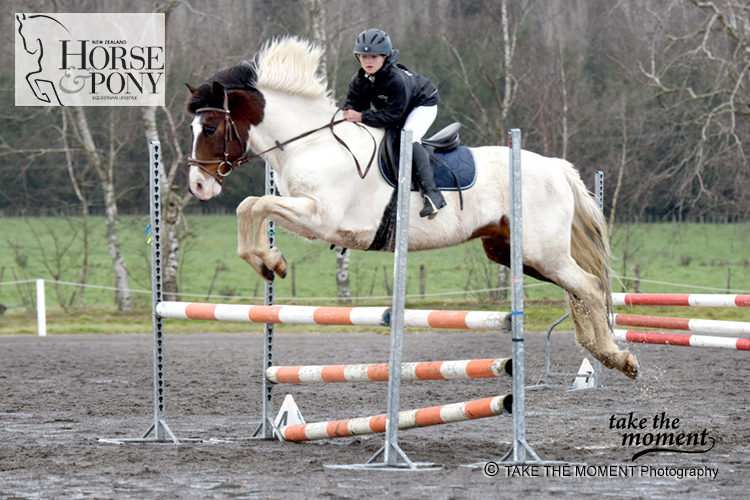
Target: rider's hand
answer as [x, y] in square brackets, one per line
[352, 116]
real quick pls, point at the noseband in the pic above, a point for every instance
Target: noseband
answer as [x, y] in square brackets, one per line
[225, 167]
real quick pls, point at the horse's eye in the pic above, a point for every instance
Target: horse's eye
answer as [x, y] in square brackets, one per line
[209, 130]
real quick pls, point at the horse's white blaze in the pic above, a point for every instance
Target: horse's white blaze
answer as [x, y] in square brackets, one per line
[203, 187]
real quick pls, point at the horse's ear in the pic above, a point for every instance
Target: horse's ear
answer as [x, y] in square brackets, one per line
[192, 90]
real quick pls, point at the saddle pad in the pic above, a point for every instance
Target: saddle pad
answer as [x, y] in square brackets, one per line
[461, 162]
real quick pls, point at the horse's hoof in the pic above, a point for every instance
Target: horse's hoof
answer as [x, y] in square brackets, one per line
[280, 268]
[630, 368]
[266, 273]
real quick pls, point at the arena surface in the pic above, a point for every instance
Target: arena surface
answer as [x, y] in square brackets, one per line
[59, 395]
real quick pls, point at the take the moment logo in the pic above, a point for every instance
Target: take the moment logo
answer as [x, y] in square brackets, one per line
[90, 60]
[659, 434]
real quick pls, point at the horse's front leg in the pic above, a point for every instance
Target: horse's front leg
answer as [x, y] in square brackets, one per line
[245, 228]
[291, 213]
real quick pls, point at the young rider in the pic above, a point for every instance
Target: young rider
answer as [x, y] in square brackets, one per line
[401, 98]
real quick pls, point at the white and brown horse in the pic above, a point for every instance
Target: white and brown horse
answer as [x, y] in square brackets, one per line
[278, 106]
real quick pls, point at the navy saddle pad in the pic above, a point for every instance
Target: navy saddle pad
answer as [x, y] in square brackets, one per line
[461, 162]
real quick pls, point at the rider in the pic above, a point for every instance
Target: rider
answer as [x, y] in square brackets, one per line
[402, 99]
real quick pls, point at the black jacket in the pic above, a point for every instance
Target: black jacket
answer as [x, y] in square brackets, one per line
[394, 94]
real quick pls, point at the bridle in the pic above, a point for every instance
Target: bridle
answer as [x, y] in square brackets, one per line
[225, 166]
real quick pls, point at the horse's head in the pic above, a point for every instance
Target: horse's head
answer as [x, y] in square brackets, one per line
[229, 104]
[224, 110]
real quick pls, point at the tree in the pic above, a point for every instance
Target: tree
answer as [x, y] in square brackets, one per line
[83, 197]
[698, 65]
[105, 170]
[480, 68]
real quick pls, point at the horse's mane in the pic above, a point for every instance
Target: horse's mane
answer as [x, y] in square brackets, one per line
[240, 77]
[286, 65]
[290, 65]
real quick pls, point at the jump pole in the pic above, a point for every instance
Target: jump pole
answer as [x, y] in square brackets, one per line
[599, 196]
[519, 447]
[390, 451]
[265, 429]
[318, 315]
[693, 325]
[436, 415]
[427, 370]
[681, 339]
[681, 299]
[159, 428]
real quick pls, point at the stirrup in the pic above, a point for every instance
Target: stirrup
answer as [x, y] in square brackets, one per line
[430, 210]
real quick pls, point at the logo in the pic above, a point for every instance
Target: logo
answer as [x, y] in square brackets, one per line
[659, 434]
[90, 60]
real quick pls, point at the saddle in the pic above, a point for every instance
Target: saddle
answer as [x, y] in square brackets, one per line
[455, 168]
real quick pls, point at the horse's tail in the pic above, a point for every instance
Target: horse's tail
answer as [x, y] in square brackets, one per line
[589, 238]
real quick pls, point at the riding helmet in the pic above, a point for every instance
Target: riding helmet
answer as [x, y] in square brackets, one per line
[373, 41]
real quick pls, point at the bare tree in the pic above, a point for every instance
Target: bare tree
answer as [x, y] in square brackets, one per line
[698, 64]
[502, 79]
[318, 32]
[105, 170]
[621, 171]
[83, 198]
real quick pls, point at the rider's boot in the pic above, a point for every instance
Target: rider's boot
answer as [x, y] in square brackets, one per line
[425, 173]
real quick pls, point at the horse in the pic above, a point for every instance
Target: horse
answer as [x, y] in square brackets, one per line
[279, 96]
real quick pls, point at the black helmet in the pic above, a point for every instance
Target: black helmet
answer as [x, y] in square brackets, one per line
[373, 41]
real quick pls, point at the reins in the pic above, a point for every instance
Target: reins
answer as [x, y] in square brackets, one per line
[225, 166]
[356, 162]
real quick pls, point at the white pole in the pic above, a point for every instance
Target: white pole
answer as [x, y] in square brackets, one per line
[41, 311]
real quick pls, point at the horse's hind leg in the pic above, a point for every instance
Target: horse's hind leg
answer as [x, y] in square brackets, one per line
[589, 314]
[585, 298]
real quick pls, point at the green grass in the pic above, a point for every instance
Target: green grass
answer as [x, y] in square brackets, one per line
[694, 254]
[676, 253]
[213, 243]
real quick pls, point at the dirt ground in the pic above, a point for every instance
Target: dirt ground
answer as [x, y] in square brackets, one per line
[59, 395]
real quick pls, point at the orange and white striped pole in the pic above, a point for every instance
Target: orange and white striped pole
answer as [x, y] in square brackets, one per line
[312, 315]
[682, 339]
[681, 299]
[436, 415]
[693, 325]
[430, 370]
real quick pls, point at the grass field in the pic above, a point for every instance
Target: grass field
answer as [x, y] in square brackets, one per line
[50, 248]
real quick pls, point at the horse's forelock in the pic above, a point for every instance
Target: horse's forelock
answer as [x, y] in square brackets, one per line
[200, 98]
[240, 77]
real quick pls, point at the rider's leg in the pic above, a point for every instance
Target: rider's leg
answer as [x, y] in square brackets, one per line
[419, 121]
[425, 172]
